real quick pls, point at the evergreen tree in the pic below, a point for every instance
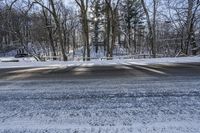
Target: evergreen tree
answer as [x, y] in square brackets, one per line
[132, 14]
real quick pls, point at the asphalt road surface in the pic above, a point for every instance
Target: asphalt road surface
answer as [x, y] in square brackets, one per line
[97, 99]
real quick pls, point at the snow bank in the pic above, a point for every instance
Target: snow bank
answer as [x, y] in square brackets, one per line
[31, 62]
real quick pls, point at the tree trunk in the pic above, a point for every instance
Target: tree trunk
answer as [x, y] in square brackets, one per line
[50, 35]
[108, 30]
[74, 42]
[150, 27]
[190, 29]
[57, 22]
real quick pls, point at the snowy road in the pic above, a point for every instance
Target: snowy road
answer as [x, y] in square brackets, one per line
[119, 99]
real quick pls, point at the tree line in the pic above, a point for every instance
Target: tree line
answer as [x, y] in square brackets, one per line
[56, 28]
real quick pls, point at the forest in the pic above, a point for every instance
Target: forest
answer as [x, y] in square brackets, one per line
[65, 30]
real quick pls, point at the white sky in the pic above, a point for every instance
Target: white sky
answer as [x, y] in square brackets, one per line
[70, 2]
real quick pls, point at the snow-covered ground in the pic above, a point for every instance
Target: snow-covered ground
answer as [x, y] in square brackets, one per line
[122, 105]
[31, 62]
[117, 51]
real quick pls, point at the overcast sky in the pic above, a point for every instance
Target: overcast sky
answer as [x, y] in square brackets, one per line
[70, 2]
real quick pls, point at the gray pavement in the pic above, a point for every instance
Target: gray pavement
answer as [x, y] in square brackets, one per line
[100, 72]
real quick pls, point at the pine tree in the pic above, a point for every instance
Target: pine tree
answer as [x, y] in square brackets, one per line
[132, 13]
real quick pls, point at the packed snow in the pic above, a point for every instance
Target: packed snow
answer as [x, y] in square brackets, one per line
[150, 105]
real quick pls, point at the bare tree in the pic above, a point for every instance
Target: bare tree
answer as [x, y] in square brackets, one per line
[111, 12]
[193, 6]
[151, 26]
[83, 5]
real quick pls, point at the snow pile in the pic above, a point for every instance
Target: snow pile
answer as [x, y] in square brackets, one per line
[193, 59]
[10, 59]
[7, 54]
[31, 62]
